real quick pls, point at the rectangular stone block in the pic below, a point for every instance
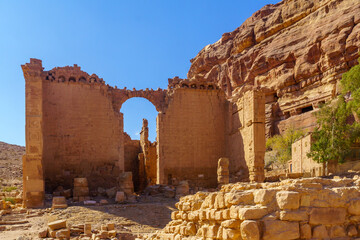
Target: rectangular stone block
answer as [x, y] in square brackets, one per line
[80, 191]
[80, 182]
[281, 230]
[34, 185]
[327, 216]
[55, 225]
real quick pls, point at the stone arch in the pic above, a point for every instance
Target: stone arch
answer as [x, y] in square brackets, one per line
[82, 79]
[61, 78]
[156, 97]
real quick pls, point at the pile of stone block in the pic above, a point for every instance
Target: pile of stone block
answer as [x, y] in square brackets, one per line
[59, 230]
[223, 171]
[309, 208]
[126, 185]
[159, 190]
[60, 191]
[182, 189]
[59, 202]
[81, 190]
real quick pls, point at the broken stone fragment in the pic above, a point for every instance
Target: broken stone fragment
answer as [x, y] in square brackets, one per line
[67, 193]
[110, 226]
[101, 191]
[89, 202]
[55, 225]
[80, 192]
[43, 233]
[104, 202]
[182, 189]
[112, 233]
[120, 197]
[80, 182]
[111, 192]
[59, 202]
[87, 229]
[63, 234]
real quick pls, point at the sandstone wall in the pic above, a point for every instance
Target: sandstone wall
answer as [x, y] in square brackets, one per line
[246, 135]
[297, 49]
[191, 136]
[300, 162]
[82, 135]
[131, 159]
[313, 208]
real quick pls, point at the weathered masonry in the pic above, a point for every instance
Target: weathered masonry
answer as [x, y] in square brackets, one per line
[74, 128]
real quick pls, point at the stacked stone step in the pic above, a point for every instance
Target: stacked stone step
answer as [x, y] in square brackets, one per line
[81, 189]
[182, 189]
[311, 208]
[223, 171]
[58, 229]
[126, 186]
[59, 202]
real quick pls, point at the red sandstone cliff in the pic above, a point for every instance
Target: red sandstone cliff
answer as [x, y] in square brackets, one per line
[296, 49]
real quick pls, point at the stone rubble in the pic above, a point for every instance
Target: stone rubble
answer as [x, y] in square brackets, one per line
[305, 208]
[60, 230]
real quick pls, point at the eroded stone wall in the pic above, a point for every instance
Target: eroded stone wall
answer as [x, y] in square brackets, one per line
[300, 162]
[131, 160]
[313, 208]
[82, 134]
[191, 136]
[246, 135]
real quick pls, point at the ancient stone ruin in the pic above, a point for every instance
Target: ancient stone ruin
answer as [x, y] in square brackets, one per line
[74, 129]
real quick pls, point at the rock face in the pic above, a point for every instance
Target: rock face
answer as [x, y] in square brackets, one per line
[296, 49]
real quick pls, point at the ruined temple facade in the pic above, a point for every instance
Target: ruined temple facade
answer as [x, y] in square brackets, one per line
[74, 128]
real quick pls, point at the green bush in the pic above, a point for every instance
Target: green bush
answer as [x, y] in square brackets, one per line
[10, 199]
[9, 189]
[281, 144]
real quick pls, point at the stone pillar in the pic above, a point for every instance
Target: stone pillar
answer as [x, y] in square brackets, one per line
[149, 163]
[160, 178]
[253, 133]
[33, 179]
[223, 171]
[126, 184]
[142, 175]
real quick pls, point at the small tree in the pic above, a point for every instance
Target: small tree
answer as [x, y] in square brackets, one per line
[281, 144]
[334, 135]
[350, 85]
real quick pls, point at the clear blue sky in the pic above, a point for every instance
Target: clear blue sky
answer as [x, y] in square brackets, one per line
[127, 43]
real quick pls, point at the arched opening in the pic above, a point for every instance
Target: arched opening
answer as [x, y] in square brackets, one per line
[140, 146]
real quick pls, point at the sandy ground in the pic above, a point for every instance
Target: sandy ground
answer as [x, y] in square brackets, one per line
[131, 220]
[146, 216]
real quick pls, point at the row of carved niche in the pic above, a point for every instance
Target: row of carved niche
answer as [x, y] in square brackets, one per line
[73, 79]
[194, 86]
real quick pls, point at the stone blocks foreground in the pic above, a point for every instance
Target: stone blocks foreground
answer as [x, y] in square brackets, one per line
[291, 209]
